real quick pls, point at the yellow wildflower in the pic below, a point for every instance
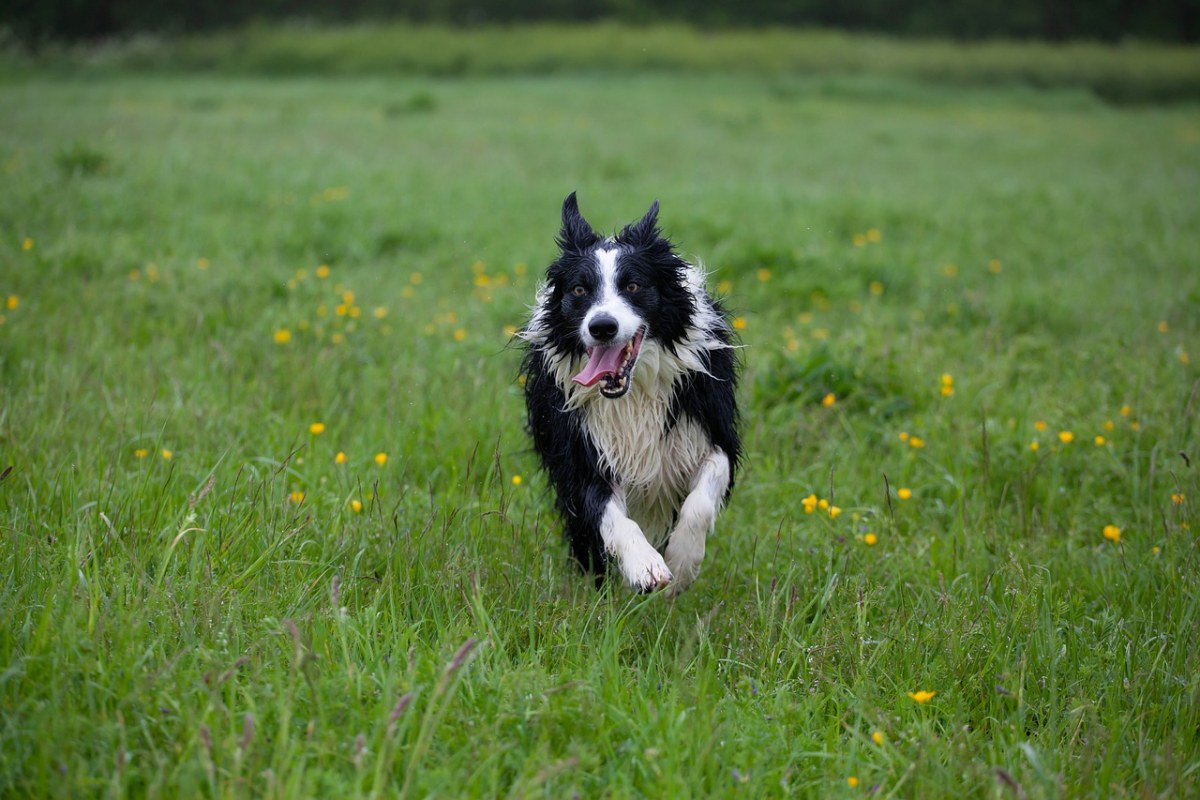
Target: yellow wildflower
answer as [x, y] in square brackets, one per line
[834, 511]
[1112, 533]
[460, 334]
[739, 323]
[904, 436]
[809, 503]
[1034, 446]
[340, 458]
[877, 737]
[860, 240]
[875, 288]
[1126, 411]
[166, 454]
[1039, 426]
[763, 274]
[1066, 437]
[317, 428]
[296, 497]
[12, 302]
[995, 267]
[874, 235]
[381, 458]
[517, 480]
[1099, 440]
[323, 271]
[828, 400]
[870, 539]
[27, 244]
[1155, 550]
[823, 504]
[141, 452]
[1177, 498]
[903, 493]
[923, 696]
[283, 336]
[852, 782]
[356, 506]
[1163, 327]
[1109, 425]
[724, 286]
[916, 441]
[379, 313]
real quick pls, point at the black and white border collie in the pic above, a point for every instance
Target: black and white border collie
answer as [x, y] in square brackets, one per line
[630, 377]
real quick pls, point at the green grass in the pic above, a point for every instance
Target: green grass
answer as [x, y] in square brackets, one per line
[183, 626]
[1128, 73]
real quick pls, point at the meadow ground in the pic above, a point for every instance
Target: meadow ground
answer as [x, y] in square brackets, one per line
[271, 526]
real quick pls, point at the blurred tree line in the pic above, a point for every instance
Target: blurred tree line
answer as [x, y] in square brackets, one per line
[1056, 20]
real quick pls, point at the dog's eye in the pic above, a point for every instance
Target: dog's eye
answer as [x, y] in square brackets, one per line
[579, 291]
[632, 287]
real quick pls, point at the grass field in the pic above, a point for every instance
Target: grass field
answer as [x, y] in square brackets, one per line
[1129, 73]
[272, 528]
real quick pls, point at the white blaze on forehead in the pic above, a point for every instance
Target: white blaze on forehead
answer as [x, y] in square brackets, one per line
[607, 260]
[609, 300]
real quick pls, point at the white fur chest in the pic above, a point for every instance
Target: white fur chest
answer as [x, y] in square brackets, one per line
[654, 467]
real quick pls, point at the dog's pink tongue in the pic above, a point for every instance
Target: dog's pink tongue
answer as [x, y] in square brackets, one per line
[602, 361]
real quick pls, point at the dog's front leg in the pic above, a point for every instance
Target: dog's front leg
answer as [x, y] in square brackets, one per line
[685, 548]
[644, 569]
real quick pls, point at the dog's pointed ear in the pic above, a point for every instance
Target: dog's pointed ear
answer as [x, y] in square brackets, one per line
[576, 233]
[644, 230]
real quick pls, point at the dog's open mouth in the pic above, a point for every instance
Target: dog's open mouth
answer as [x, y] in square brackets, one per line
[613, 365]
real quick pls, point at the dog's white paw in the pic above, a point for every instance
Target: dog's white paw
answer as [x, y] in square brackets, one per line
[645, 570]
[684, 558]
[685, 549]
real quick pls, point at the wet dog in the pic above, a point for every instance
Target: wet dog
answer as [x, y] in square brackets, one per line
[630, 377]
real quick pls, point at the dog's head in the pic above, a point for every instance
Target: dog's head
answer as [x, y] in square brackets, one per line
[608, 298]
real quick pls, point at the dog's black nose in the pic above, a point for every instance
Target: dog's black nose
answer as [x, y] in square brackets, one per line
[603, 327]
